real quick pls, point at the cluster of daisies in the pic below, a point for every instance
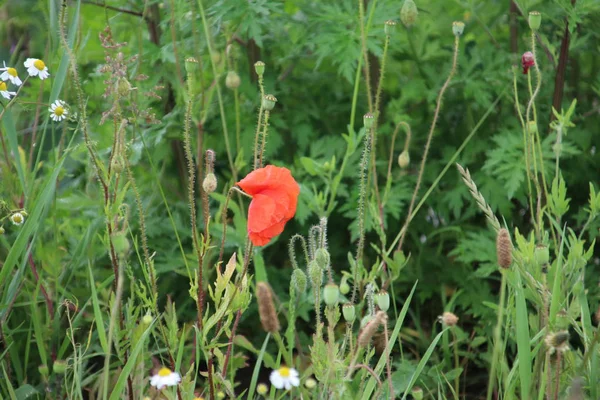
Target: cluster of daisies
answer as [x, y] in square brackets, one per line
[17, 218]
[282, 378]
[35, 68]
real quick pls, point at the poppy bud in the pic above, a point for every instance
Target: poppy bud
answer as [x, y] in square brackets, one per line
[147, 319]
[210, 183]
[535, 20]
[116, 164]
[344, 287]
[368, 120]
[527, 61]
[322, 258]
[299, 280]
[315, 272]
[232, 81]
[389, 27]
[259, 67]
[541, 254]
[120, 243]
[409, 13]
[404, 159]
[268, 102]
[383, 300]
[331, 292]
[59, 367]
[349, 312]
[458, 28]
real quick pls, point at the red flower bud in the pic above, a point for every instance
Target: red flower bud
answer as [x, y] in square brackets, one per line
[527, 61]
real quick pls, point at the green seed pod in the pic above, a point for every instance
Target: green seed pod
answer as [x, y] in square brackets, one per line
[458, 28]
[331, 293]
[299, 280]
[43, 370]
[535, 20]
[59, 367]
[349, 312]
[2, 231]
[417, 393]
[322, 258]
[368, 120]
[344, 287]
[404, 159]
[389, 27]
[232, 81]
[210, 183]
[409, 13]
[532, 127]
[191, 65]
[147, 319]
[541, 254]
[383, 300]
[259, 67]
[268, 102]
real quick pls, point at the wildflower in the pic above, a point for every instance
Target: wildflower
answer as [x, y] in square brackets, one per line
[262, 389]
[10, 74]
[448, 319]
[58, 110]
[557, 342]
[36, 67]
[165, 377]
[17, 218]
[275, 196]
[527, 61]
[285, 377]
[4, 91]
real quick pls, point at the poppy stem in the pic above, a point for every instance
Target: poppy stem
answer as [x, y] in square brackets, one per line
[264, 138]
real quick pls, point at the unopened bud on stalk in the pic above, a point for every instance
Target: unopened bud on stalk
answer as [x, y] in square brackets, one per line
[458, 28]
[344, 287]
[43, 370]
[121, 243]
[59, 367]
[389, 27]
[383, 300]
[404, 159]
[409, 13]
[299, 280]
[417, 393]
[322, 258]
[269, 101]
[210, 183]
[147, 319]
[368, 120]
[504, 248]
[331, 292]
[259, 67]
[232, 81]
[349, 312]
[535, 20]
[541, 254]
[315, 273]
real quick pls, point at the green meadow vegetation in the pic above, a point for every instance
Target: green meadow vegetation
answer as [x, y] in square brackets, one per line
[299, 199]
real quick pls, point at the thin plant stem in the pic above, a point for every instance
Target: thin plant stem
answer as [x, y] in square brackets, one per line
[497, 337]
[365, 53]
[428, 143]
[456, 363]
[265, 132]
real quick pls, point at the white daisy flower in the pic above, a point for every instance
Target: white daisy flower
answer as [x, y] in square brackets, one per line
[36, 67]
[58, 110]
[4, 91]
[10, 74]
[285, 377]
[17, 218]
[165, 377]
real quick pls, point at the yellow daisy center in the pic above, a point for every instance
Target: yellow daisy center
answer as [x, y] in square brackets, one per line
[59, 111]
[12, 72]
[17, 218]
[2, 87]
[284, 372]
[39, 64]
[164, 372]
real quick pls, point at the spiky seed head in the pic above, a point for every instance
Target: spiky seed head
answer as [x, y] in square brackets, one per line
[365, 336]
[210, 183]
[368, 120]
[404, 159]
[389, 27]
[409, 13]
[557, 341]
[535, 20]
[449, 319]
[458, 27]
[349, 312]
[268, 102]
[259, 67]
[266, 308]
[232, 80]
[383, 300]
[331, 293]
[191, 65]
[504, 248]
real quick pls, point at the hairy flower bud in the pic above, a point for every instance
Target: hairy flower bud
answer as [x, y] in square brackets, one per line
[322, 258]
[232, 80]
[404, 159]
[344, 287]
[315, 273]
[331, 293]
[210, 183]
[504, 248]
[299, 280]
[349, 312]
[121, 243]
[541, 255]
[266, 308]
[535, 20]
[383, 300]
[268, 102]
[259, 67]
[409, 13]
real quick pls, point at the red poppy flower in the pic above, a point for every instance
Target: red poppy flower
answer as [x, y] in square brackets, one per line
[274, 198]
[527, 61]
